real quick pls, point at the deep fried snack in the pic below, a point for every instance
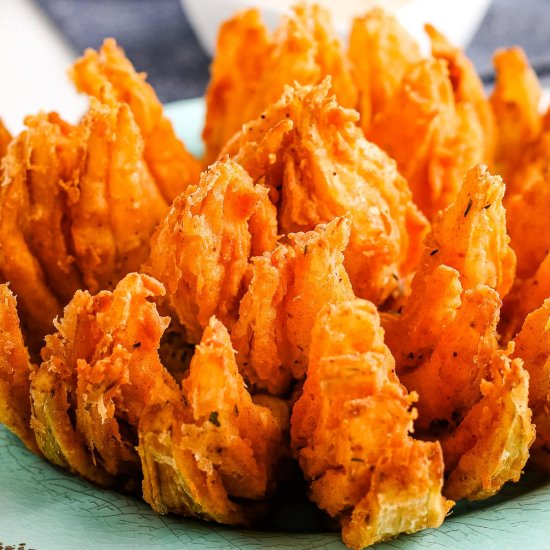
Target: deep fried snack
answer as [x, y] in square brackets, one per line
[445, 364]
[515, 101]
[34, 246]
[351, 432]
[467, 87]
[445, 343]
[470, 235]
[467, 263]
[532, 168]
[99, 371]
[287, 289]
[527, 221]
[304, 49]
[532, 345]
[433, 140]
[200, 250]
[491, 445]
[172, 166]
[380, 52]
[526, 296]
[471, 396]
[311, 145]
[5, 138]
[243, 48]
[202, 453]
[15, 371]
[114, 204]
[78, 207]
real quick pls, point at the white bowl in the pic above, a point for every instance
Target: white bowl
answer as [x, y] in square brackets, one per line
[456, 19]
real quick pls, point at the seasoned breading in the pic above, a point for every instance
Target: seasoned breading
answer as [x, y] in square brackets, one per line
[303, 49]
[318, 165]
[200, 250]
[491, 445]
[35, 254]
[470, 235]
[100, 370]
[380, 52]
[287, 289]
[532, 345]
[114, 204]
[515, 101]
[526, 296]
[433, 139]
[15, 371]
[351, 431]
[214, 445]
[527, 222]
[171, 165]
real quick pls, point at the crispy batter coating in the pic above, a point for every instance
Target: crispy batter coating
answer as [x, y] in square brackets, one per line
[287, 289]
[35, 251]
[215, 445]
[445, 344]
[99, 371]
[532, 345]
[433, 139]
[440, 364]
[515, 101]
[533, 165]
[351, 432]
[5, 138]
[172, 166]
[304, 49]
[526, 296]
[115, 204]
[15, 371]
[467, 87]
[527, 220]
[380, 52]
[78, 207]
[327, 168]
[491, 445]
[242, 50]
[472, 397]
[470, 235]
[455, 301]
[200, 250]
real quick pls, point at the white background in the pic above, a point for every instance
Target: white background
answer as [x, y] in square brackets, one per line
[33, 66]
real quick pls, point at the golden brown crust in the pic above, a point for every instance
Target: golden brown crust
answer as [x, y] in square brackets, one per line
[491, 445]
[532, 345]
[304, 49]
[5, 138]
[114, 204]
[433, 139]
[351, 433]
[15, 371]
[200, 453]
[467, 87]
[515, 101]
[34, 245]
[172, 166]
[287, 289]
[318, 165]
[99, 371]
[380, 52]
[200, 250]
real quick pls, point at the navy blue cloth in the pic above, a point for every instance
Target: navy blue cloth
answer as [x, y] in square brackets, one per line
[159, 40]
[155, 34]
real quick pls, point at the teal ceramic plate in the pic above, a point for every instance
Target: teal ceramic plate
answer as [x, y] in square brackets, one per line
[45, 508]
